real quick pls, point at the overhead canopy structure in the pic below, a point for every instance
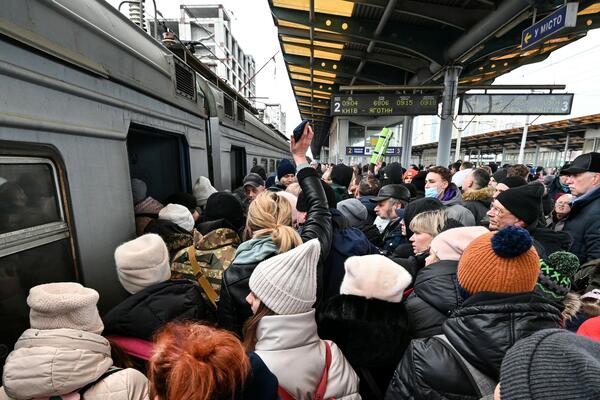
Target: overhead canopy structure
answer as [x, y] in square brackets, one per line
[328, 43]
[550, 135]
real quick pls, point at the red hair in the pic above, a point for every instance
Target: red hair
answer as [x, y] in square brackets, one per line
[196, 362]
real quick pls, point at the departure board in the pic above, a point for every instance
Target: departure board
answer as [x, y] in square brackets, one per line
[515, 104]
[383, 104]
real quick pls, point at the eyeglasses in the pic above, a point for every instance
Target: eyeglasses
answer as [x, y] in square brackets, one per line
[562, 204]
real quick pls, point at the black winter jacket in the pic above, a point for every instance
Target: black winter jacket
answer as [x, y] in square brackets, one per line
[478, 202]
[549, 240]
[141, 314]
[372, 233]
[372, 334]
[482, 331]
[434, 298]
[233, 309]
[584, 226]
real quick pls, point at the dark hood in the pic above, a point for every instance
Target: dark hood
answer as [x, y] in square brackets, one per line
[436, 284]
[344, 237]
[208, 226]
[489, 324]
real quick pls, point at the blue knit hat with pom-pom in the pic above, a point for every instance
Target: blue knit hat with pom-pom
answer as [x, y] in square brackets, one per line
[501, 262]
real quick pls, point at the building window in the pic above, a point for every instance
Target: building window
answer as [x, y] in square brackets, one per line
[241, 116]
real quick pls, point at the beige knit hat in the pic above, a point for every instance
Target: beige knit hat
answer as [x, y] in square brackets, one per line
[142, 262]
[451, 244]
[375, 277]
[178, 215]
[64, 305]
[287, 282]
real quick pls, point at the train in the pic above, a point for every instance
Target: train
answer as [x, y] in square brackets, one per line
[88, 101]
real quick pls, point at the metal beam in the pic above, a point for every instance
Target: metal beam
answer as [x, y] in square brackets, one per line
[393, 88]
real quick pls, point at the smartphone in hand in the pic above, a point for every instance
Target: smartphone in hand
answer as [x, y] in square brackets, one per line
[299, 130]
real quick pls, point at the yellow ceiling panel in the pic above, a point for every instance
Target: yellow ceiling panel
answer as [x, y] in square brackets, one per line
[307, 90]
[288, 24]
[303, 77]
[593, 9]
[304, 70]
[291, 39]
[308, 104]
[305, 51]
[334, 7]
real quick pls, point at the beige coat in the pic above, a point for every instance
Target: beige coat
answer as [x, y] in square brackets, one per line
[59, 361]
[290, 347]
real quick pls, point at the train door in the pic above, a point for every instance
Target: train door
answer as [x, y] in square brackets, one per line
[159, 159]
[238, 166]
[37, 243]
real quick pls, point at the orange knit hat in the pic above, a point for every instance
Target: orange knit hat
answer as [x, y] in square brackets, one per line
[501, 262]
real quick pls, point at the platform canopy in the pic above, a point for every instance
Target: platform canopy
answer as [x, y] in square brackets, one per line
[329, 43]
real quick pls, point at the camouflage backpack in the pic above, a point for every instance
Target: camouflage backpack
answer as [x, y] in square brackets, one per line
[213, 252]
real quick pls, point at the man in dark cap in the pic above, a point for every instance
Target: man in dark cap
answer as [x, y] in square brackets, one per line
[583, 178]
[253, 185]
[558, 185]
[341, 177]
[389, 199]
[286, 174]
[520, 206]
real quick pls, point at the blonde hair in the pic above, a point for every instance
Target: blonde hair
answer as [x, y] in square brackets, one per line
[271, 215]
[430, 222]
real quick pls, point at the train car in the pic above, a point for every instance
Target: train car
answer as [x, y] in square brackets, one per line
[88, 101]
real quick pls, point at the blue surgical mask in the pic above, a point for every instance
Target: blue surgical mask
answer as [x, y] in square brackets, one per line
[431, 192]
[565, 188]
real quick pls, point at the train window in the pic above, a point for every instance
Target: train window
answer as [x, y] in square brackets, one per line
[263, 162]
[254, 162]
[28, 195]
[241, 117]
[228, 106]
[36, 245]
[271, 165]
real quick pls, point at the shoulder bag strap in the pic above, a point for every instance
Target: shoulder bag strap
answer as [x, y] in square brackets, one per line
[202, 281]
[484, 384]
[322, 386]
[283, 394]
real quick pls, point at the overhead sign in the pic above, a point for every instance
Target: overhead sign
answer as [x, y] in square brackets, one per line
[564, 17]
[383, 104]
[355, 151]
[515, 104]
[367, 151]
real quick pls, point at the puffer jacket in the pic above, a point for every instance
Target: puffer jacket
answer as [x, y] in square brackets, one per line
[453, 201]
[583, 225]
[434, 297]
[478, 202]
[55, 362]
[141, 314]
[482, 331]
[291, 348]
[233, 310]
[392, 236]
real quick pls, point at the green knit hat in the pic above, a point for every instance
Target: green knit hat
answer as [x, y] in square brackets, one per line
[556, 273]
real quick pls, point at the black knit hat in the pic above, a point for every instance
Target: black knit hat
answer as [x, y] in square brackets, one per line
[514, 181]
[395, 172]
[419, 181]
[259, 169]
[417, 207]
[302, 203]
[556, 273]
[342, 175]
[500, 175]
[183, 199]
[284, 168]
[551, 364]
[223, 205]
[524, 202]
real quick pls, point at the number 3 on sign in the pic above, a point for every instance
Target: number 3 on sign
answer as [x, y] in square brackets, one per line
[565, 106]
[336, 107]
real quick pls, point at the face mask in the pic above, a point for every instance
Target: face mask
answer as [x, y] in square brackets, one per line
[564, 187]
[431, 192]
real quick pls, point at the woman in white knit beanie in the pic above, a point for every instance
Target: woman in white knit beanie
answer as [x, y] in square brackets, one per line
[283, 330]
[63, 354]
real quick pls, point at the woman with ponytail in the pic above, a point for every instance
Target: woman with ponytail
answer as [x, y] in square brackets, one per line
[269, 227]
[197, 362]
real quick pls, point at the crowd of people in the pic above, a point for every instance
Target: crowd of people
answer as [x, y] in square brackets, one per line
[338, 282]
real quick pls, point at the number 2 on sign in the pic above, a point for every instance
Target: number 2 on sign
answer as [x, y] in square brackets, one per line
[336, 107]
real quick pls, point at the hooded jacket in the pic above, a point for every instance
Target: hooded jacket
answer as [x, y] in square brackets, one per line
[146, 211]
[141, 314]
[482, 331]
[478, 202]
[435, 295]
[583, 225]
[233, 310]
[175, 238]
[54, 362]
[453, 201]
[346, 242]
[291, 348]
